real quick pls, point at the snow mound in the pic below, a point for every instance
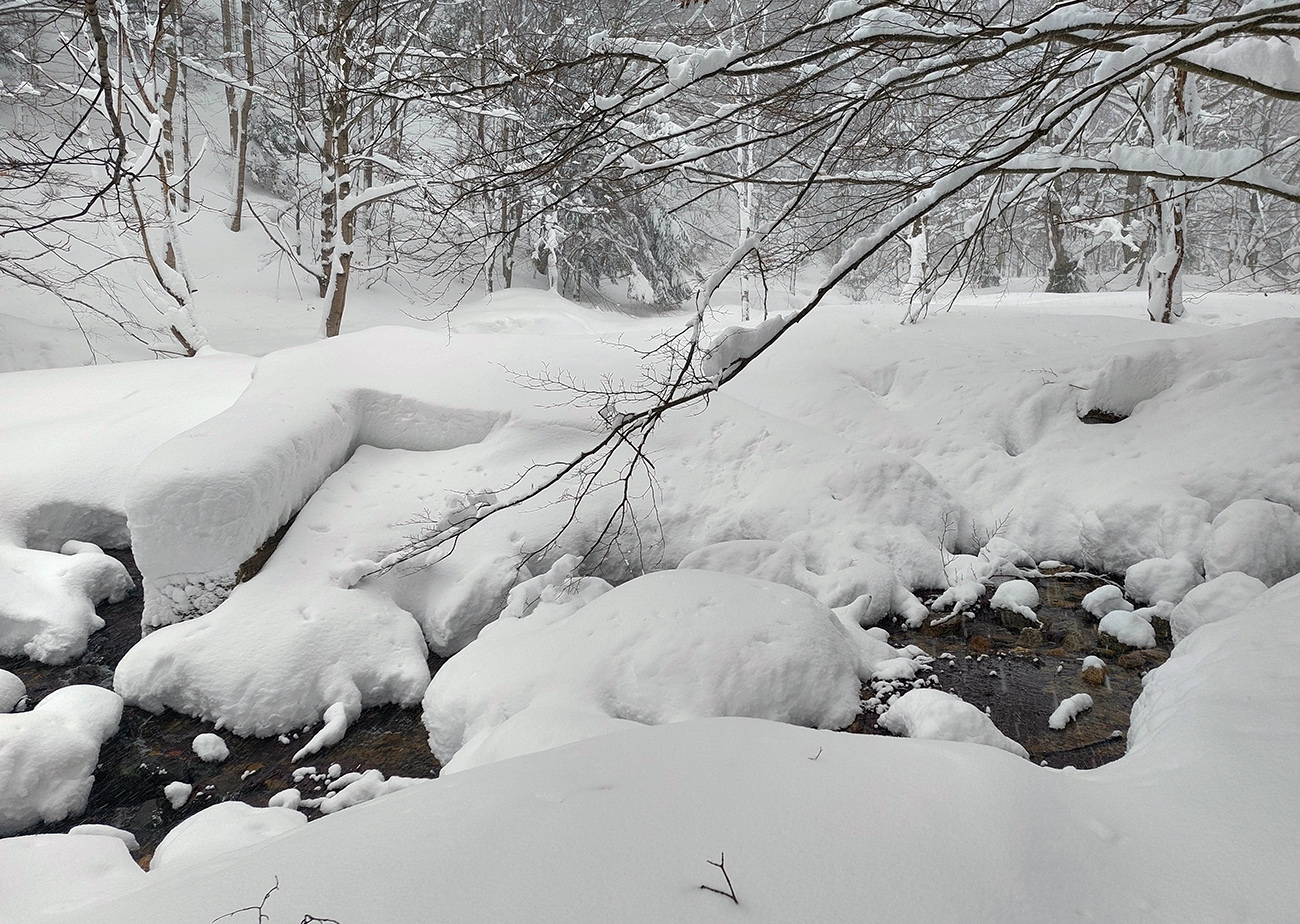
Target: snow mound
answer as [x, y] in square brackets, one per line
[665, 647]
[1105, 599]
[220, 829]
[248, 668]
[1069, 710]
[60, 872]
[1257, 537]
[1129, 628]
[48, 755]
[939, 716]
[1019, 596]
[47, 599]
[542, 725]
[1157, 579]
[210, 748]
[12, 691]
[1133, 375]
[1218, 598]
[865, 588]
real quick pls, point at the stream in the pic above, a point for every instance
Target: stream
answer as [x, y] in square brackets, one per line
[1020, 677]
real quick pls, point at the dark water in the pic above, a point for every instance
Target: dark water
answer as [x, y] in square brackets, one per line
[988, 665]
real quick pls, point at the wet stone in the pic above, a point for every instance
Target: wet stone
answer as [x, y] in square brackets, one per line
[1030, 638]
[1094, 676]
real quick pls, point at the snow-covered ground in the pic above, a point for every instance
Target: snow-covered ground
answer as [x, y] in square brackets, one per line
[853, 465]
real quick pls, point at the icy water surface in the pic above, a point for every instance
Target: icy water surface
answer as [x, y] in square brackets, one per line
[1019, 677]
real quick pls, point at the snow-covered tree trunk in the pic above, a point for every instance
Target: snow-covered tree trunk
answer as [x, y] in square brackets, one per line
[917, 288]
[1171, 123]
[245, 110]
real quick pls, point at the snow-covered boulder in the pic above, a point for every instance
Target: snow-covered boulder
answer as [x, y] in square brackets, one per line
[1256, 537]
[1019, 597]
[1218, 598]
[1157, 579]
[48, 755]
[266, 664]
[210, 748]
[220, 829]
[1068, 710]
[47, 599]
[941, 716]
[1104, 599]
[665, 647]
[1128, 628]
[12, 691]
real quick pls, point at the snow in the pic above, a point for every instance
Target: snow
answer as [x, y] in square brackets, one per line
[1218, 598]
[12, 691]
[1092, 661]
[177, 793]
[38, 874]
[627, 821]
[210, 748]
[1161, 579]
[1105, 599]
[126, 837]
[1069, 710]
[1018, 596]
[666, 647]
[960, 597]
[218, 830]
[1258, 537]
[47, 599]
[939, 716]
[363, 788]
[48, 755]
[1128, 628]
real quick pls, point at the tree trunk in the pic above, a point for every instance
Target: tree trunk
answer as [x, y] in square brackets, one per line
[245, 110]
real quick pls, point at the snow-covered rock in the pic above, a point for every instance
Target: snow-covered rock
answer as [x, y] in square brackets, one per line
[960, 597]
[220, 829]
[1157, 579]
[665, 647]
[1218, 598]
[1068, 710]
[47, 599]
[940, 716]
[48, 755]
[1256, 537]
[1128, 628]
[365, 787]
[210, 748]
[1019, 597]
[177, 793]
[1105, 599]
[12, 691]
